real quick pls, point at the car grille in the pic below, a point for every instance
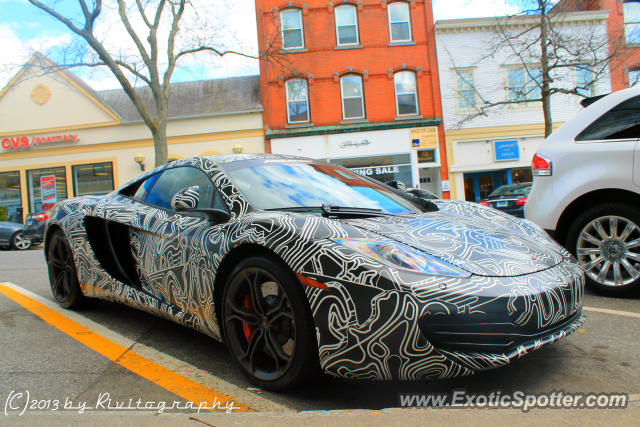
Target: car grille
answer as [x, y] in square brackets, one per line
[460, 333]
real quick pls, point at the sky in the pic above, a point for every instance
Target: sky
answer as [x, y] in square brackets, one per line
[25, 29]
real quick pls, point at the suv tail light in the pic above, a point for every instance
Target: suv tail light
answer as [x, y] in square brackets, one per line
[541, 166]
[484, 203]
[521, 201]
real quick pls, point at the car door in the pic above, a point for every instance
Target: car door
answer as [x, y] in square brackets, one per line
[5, 233]
[172, 250]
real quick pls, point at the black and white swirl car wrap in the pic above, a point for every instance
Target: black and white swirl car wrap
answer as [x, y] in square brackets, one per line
[372, 320]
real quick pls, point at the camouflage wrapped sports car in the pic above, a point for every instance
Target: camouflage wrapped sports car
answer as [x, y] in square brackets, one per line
[298, 264]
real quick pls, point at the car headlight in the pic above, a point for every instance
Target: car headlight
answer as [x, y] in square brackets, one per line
[404, 257]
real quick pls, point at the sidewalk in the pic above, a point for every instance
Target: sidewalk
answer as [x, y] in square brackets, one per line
[387, 417]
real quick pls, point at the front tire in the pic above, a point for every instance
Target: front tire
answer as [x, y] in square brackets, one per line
[606, 241]
[20, 242]
[63, 277]
[267, 324]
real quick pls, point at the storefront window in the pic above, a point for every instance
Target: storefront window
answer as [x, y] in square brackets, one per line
[519, 175]
[395, 167]
[94, 179]
[46, 187]
[10, 198]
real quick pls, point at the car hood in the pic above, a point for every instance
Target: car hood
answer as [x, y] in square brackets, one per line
[479, 240]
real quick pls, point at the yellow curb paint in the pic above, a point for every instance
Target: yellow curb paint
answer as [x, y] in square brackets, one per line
[582, 331]
[616, 312]
[175, 383]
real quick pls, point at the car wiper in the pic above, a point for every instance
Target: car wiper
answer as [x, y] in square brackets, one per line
[349, 211]
[297, 209]
[328, 210]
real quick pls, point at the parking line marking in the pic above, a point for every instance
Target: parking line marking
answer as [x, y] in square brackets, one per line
[171, 381]
[616, 312]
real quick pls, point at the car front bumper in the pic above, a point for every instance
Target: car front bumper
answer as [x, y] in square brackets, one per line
[443, 327]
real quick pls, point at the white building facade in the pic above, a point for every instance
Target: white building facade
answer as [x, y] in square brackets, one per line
[495, 148]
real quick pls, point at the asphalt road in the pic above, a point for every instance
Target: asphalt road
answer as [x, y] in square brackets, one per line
[37, 357]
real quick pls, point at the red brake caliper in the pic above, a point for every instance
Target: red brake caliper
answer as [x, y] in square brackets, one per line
[247, 329]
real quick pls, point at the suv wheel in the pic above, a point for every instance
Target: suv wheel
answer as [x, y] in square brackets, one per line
[606, 241]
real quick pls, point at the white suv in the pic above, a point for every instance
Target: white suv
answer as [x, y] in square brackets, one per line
[586, 190]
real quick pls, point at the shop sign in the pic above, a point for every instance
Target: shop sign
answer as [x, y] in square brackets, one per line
[426, 156]
[48, 189]
[506, 150]
[377, 170]
[354, 144]
[22, 141]
[426, 137]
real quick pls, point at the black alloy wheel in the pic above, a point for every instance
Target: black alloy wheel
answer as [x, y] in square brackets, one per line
[62, 271]
[267, 324]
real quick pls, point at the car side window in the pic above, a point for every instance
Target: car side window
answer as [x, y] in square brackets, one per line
[158, 189]
[621, 122]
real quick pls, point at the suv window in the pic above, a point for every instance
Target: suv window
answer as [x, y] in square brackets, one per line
[158, 189]
[621, 122]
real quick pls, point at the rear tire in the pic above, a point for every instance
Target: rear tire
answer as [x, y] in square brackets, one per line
[63, 277]
[606, 241]
[267, 324]
[20, 242]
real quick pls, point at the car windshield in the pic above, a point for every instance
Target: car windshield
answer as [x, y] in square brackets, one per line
[290, 185]
[507, 190]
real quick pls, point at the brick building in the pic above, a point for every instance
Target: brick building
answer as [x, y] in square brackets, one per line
[623, 27]
[356, 83]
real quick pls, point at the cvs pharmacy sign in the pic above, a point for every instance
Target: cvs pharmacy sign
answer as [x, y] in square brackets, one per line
[18, 142]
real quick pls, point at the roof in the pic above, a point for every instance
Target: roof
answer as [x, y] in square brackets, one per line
[189, 99]
[480, 24]
[193, 99]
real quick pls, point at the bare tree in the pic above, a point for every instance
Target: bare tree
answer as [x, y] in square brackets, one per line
[545, 41]
[158, 42]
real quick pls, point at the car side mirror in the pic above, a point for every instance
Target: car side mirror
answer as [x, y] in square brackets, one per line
[187, 200]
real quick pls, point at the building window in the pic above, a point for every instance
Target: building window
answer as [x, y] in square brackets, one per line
[46, 187]
[352, 97]
[297, 101]
[406, 94]
[632, 21]
[634, 77]
[10, 197]
[466, 92]
[346, 25]
[292, 36]
[584, 80]
[399, 22]
[94, 179]
[524, 84]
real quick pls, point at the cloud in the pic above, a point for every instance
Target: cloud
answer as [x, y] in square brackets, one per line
[15, 52]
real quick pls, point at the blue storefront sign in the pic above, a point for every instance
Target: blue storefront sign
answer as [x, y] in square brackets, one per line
[506, 150]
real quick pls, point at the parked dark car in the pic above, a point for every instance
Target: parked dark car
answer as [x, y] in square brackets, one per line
[509, 198]
[12, 235]
[34, 227]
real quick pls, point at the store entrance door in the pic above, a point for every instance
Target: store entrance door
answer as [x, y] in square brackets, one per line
[478, 185]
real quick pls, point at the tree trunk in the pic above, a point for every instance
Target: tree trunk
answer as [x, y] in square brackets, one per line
[160, 146]
[544, 69]
[160, 136]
